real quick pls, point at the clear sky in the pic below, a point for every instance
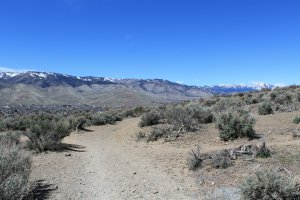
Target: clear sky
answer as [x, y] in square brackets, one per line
[198, 42]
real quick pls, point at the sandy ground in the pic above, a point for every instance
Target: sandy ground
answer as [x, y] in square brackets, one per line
[111, 164]
[115, 166]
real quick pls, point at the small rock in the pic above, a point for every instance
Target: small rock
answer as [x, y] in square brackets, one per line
[68, 155]
[134, 173]
[213, 183]
[155, 192]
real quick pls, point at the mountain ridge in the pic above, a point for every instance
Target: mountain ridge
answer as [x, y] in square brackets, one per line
[34, 87]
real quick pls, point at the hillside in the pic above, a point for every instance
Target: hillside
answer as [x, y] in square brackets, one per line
[53, 88]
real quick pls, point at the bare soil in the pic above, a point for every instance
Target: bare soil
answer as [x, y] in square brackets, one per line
[108, 163]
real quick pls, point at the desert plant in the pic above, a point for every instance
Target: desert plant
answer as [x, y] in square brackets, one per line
[235, 124]
[140, 136]
[263, 151]
[222, 160]
[100, 119]
[269, 185]
[195, 160]
[273, 95]
[227, 103]
[14, 168]
[157, 133]
[180, 116]
[149, 119]
[296, 120]
[200, 114]
[209, 102]
[47, 133]
[265, 108]
[283, 98]
[297, 96]
[134, 112]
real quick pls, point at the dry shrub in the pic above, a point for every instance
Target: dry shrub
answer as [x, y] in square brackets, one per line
[14, 168]
[195, 160]
[271, 185]
[222, 160]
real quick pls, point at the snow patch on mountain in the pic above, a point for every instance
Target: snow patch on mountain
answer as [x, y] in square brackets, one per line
[55, 78]
[9, 74]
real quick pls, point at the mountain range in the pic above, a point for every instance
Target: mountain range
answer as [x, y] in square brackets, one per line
[53, 88]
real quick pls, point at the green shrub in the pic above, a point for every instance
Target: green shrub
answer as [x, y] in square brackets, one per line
[14, 168]
[100, 119]
[250, 99]
[235, 124]
[209, 102]
[297, 96]
[283, 98]
[134, 112]
[265, 108]
[78, 122]
[179, 116]
[296, 120]
[227, 103]
[47, 133]
[157, 133]
[269, 185]
[19, 123]
[200, 114]
[273, 95]
[149, 119]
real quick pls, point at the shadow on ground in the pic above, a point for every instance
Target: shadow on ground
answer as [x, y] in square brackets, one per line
[40, 191]
[72, 147]
[84, 130]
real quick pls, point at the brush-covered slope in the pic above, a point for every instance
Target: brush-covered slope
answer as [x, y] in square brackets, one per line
[54, 88]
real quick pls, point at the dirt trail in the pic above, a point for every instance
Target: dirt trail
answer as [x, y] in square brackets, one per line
[115, 166]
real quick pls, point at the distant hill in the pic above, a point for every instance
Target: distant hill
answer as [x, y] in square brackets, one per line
[54, 88]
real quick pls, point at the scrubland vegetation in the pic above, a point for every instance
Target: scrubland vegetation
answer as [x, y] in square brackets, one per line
[234, 116]
[15, 165]
[44, 132]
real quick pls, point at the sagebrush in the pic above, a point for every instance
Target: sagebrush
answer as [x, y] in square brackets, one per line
[15, 165]
[235, 124]
[268, 184]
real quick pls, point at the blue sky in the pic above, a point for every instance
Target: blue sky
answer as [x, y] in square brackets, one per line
[198, 42]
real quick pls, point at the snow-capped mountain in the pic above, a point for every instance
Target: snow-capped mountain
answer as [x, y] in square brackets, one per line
[43, 79]
[53, 88]
[228, 88]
